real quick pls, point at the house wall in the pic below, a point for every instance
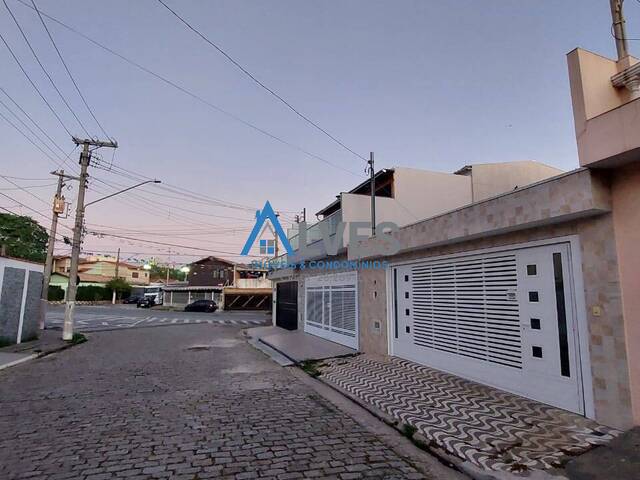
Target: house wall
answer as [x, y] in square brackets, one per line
[564, 199]
[625, 188]
[202, 274]
[20, 290]
[490, 179]
[425, 194]
[108, 269]
[606, 120]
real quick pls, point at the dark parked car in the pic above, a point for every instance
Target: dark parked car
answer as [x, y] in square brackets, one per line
[132, 299]
[146, 302]
[201, 306]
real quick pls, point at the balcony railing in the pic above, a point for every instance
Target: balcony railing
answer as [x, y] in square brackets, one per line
[314, 232]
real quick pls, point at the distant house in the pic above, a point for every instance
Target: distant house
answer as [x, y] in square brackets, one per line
[106, 267]
[62, 263]
[230, 285]
[210, 272]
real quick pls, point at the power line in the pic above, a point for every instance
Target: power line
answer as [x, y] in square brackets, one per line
[35, 55]
[166, 244]
[193, 95]
[32, 120]
[26, 126]
[259, 83]
[29, 179]
[30, 209]
[27, 186]
[61, 160]
[31, 141]
[75, 84]
[34, 85]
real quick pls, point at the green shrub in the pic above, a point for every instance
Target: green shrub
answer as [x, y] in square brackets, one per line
[55, 293]
[92, 293]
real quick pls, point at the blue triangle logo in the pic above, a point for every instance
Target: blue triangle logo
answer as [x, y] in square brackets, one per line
[262, 216]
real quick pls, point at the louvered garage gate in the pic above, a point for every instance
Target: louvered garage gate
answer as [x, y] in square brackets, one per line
[505, 319]
[331, 308]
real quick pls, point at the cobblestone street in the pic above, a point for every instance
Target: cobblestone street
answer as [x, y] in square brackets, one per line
[184, 402]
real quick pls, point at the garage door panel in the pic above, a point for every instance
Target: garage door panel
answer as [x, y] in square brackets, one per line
[468, 315]
[332, 310]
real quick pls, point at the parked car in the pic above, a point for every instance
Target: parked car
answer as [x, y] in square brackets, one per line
[146, 302]
[132, 299]
[201, 306]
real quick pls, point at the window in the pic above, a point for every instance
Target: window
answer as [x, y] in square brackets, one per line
[267, 247]
[134, 274]
[532, 270]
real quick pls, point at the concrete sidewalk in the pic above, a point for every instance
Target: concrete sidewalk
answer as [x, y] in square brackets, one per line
[10, 359]
[49, 342]
[297, 345]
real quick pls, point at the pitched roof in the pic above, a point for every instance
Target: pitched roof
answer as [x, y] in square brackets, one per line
[212, 258]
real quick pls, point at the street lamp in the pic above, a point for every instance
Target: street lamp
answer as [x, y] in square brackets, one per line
[122, 191]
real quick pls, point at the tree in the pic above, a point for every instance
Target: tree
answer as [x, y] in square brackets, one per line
[23, 237]
[159, 273]
[121, 287]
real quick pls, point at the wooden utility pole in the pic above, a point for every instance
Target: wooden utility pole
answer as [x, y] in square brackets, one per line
[372, 174]
[113, 296]
[619, 29]
[58, 208]
[85, 158]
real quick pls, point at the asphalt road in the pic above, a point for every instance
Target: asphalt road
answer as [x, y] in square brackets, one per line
[184, 402]
[108, 317]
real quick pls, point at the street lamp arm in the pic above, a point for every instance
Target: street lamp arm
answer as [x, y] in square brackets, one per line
[122, 191]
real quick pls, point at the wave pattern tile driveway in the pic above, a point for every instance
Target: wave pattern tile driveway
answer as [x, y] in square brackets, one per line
[490, 428]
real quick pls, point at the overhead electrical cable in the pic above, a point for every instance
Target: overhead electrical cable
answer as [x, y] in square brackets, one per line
[35, 55]
[259, 82]
[35, 86]
[164, 243]
[75, 84]
[32, 121]
[194, 95]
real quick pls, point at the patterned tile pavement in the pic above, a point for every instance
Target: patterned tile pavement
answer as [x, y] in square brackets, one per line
[490, 428]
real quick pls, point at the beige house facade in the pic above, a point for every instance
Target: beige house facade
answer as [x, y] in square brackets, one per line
[106, 268]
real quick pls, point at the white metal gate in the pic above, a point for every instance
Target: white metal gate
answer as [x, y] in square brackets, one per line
[506, 319]
[331, 308]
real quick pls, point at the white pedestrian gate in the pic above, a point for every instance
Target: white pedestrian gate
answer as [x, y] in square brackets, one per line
[331, 307]
[506, 319]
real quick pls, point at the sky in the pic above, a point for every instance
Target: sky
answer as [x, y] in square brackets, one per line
[425, 84]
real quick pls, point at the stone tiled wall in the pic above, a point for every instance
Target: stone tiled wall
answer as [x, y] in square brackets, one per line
[10, 302]
[32, 306]
[580, 193]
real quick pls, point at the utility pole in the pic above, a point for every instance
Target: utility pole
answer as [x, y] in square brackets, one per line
[85, 158]
[58, 208]
[619, 29]
[372, 173]
[275, 241]
[113, 297]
